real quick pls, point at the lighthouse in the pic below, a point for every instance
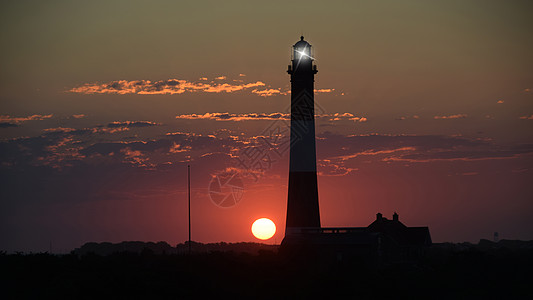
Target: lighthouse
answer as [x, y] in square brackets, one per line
[381, 241]
[302, 203]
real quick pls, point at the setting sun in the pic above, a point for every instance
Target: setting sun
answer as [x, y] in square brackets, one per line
[263, 228]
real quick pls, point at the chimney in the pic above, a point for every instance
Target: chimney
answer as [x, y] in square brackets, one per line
[395, 217]
[379, 217]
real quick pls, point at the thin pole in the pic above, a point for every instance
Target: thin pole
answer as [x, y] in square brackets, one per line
[189, 196]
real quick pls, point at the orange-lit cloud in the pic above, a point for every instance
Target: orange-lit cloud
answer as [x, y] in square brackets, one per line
[358, 119]
[170, 87]
[59, 129]
[342, 116]
[456, 116]
[180, 86]
[177, 148]
[97, 129]
[7, 118]
[136, 157]
[527, 117]
[324, 90]
[358, 150]
[132, 124]
[500, 101]
[340, 155]
[266, 116]
[375, 152]
[235, 117]
[61, 154]
[327, 167]
[268, 92]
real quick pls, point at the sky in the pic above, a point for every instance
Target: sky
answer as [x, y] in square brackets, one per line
[423, 108]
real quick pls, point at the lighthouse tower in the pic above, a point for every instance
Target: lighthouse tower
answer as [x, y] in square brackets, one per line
[303, 232]
[302, 204]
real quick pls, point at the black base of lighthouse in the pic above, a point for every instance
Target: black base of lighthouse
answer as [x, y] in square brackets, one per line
[302, 207]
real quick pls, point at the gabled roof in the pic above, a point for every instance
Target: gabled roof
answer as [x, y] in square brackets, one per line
[400, 233]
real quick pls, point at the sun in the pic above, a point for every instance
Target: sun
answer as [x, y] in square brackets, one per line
[263, 228]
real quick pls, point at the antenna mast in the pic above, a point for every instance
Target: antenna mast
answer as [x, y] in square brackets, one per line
[189, 202]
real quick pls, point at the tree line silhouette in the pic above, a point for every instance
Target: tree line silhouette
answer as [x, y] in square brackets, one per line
[483, 270]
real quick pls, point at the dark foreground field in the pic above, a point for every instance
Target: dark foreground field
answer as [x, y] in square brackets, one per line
[447, 272]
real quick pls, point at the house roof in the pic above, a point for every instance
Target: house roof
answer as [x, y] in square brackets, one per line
[399, 232]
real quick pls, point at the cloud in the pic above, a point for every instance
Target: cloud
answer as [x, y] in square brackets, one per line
[461, 155]
[470, 173]
[7, 125]
[170, 87]
[328, 168]
[500, 101]
[66, 147]
[59, 129]
[113, 127]
[176, 148]
[456, 116]
[338, 155]
[527, 117]
[11, 119]
[374, 152]
[341, 116]
[266, 116]
[343, 147]
[324, 90]
[268, 92]
[235, 117]
[358, 119]
[129, 124]
[136, 157]
[335, 115]
[85, 131]
[180, 86]
[401, 118]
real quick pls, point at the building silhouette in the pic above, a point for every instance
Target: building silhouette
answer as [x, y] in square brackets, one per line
[383, 239]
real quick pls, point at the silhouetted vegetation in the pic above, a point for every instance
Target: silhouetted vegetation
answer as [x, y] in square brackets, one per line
[164, 248]
[449, 271]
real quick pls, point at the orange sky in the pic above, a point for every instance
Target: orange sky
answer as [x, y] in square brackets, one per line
[425, 109]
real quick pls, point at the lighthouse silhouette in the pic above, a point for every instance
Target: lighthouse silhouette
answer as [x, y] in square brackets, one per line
[383, 240]
[302, 203]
